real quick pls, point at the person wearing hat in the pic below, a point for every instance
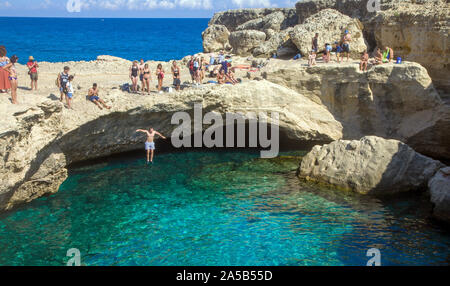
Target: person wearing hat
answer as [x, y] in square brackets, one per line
[32, 71]
[346, 44]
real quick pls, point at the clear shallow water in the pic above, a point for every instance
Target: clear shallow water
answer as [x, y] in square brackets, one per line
[214, 208]
[77, 39]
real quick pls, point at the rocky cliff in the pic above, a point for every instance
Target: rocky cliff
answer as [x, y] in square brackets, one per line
[39, 138]
[417, 30]
[390, 101]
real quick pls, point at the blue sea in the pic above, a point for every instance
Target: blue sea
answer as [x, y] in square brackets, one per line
[218, 209]
[77, 39]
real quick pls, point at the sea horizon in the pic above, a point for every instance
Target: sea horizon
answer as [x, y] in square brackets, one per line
[50, 39]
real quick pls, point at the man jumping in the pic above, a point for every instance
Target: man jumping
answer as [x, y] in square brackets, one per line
[150, 144]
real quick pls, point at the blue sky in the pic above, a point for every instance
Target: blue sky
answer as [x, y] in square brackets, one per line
[129, 8]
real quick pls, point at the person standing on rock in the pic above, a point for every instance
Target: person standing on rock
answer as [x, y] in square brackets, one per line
[32, 71]
[11, 68]
[346, 43]
[338, 51]
[134, 73]
[315, 45]
[176, 76]
[141, 74]
[5, 83]
[70, 92]
[147, 78]
[160, 76]
[62, 81]
[150, 144]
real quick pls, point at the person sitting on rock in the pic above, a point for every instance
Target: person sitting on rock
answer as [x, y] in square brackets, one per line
[378, 58]
[231, 76]
[388, 55]
[364, 61]
[312, 58]
[93, 96]
[222, 78]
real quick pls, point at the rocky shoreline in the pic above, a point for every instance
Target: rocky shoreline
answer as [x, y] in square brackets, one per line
[332, 103]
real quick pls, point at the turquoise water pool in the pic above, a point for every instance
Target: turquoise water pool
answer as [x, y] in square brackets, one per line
[215, 208]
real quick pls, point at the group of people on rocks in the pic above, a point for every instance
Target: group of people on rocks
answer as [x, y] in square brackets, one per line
[219, 67]
[66, 88]
[342, 49]
[140, 71]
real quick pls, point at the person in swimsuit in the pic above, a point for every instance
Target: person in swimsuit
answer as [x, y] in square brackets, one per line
[203, 64]
[364, 61]
[389, 55]
[338, 49]
[63, 79]
[315, 45]
[93, 96]
[11, 68]
[176, 75]
[147, 78]
[160, 76]
[197, 71]
[134, 73]
[378, 60]
[141, 73]
[312, 58]
[150, 144]
[5, 83]
[346, 43]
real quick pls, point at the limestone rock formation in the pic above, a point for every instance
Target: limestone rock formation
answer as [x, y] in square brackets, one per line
[390, 101]
[272, 22]
[331, 25]
[279, 43]
[418, 33]
[417, 30]
[439, 188]
[372, 165]
[243, 42]
[39, 139]
[215, 38]
[234, 18]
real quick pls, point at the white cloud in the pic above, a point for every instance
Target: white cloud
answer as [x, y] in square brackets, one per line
[252, 3]
[5, 4]
[195, 4]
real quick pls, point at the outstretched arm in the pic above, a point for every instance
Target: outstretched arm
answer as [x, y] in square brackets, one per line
[141, 130]
[159, 134]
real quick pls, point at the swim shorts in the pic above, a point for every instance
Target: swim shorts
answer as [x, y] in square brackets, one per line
[176, 82]
[346, 48]
[149, 145]
[69, 95]
[141, 77]
[34, 76]
[94, 98]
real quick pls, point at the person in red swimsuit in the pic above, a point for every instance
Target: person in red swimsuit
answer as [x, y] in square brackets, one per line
[5, 83]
